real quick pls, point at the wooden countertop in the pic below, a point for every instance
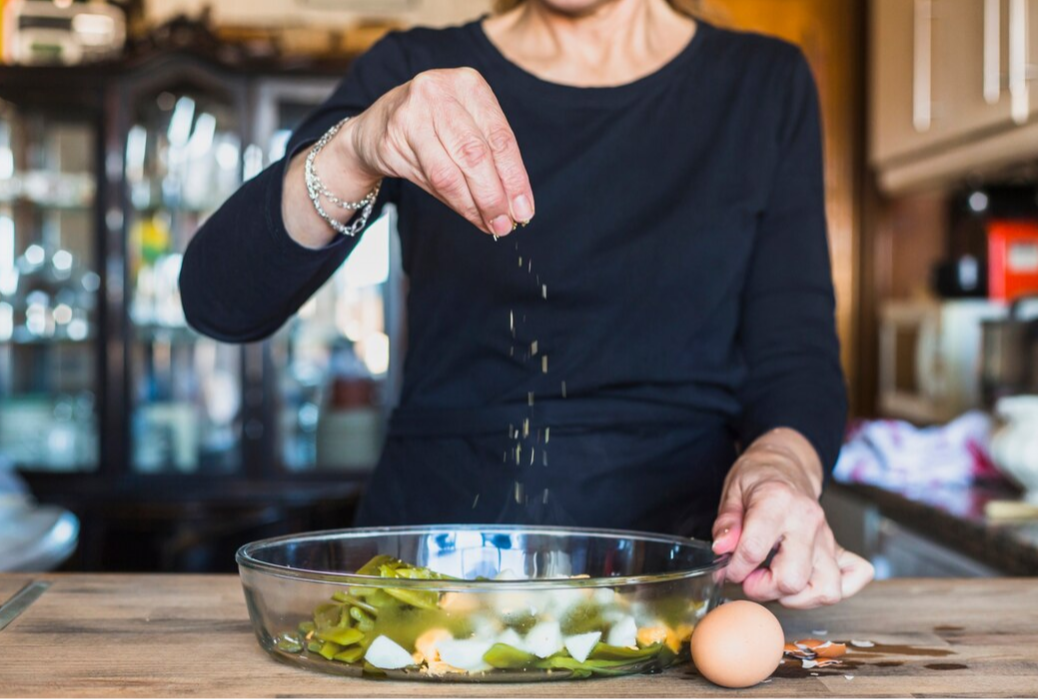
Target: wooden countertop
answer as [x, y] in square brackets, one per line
[167, 635]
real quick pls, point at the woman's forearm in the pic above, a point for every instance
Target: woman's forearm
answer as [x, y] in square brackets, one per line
[342, 172]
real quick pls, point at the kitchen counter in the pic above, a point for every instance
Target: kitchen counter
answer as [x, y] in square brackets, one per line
[154, 635]
[954, 517]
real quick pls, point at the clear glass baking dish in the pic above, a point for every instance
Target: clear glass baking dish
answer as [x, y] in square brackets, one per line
[502, 603]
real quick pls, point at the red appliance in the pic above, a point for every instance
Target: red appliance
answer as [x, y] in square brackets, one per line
[1012, 259]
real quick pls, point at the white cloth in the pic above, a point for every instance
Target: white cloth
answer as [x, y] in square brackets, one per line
[896, 454]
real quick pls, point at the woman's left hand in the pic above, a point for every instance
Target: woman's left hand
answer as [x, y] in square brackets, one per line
[770, 514]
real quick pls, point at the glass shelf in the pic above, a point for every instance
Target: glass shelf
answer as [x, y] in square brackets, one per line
[49, 285]
[183, 159]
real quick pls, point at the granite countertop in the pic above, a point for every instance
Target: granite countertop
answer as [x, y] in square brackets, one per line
[955, 517]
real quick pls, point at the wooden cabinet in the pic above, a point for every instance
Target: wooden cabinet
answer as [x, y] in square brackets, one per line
[952, 88]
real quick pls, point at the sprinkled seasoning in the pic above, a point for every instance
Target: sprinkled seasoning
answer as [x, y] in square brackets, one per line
[544, 499]
[544, 364]
[533, 451]
[533, 348]
[519, 492]
[544, 458]
[530, 397]
[563, 389]
[520, 261]
[518, 453]
[547, 434]
[544, 291]
[511, 322]
[526, 427]
[475, 501]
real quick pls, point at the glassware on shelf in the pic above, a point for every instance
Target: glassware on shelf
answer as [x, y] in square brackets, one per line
[49, 288]
[183, 159]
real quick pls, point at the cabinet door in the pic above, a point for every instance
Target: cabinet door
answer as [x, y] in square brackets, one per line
[891, 80]
[939, 73]
[971, 63]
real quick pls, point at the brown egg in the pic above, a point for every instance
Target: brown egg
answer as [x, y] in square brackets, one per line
[738, 644]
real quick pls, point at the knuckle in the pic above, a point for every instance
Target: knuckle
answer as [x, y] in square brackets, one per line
[501, 140]
[444, 179]
[793, 582]
[754, 549]
[472, 152]
[467, 75]
[829, 596]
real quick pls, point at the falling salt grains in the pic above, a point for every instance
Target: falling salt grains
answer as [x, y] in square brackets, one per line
[533, 451]
[475, 502]
[544, 364]
[529, 397]
[544, 291]
[518, 453]
[529, 267]
[519, 493]
[520, 261]
[563, 389]
[511, 322]
[547, 434]
[526, 428]
[544, 457]
[533, 348]
[544, 499]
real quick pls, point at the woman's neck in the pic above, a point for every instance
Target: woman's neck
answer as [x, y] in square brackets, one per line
[613, 43]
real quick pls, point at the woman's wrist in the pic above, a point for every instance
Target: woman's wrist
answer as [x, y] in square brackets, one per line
[346, 172]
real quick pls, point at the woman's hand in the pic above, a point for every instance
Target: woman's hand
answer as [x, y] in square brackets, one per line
[445, 132]
[770, 506]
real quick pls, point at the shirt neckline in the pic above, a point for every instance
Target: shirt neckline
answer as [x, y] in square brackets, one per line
[596, 94]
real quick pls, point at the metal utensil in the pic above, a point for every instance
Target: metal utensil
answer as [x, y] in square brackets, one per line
[22, 600]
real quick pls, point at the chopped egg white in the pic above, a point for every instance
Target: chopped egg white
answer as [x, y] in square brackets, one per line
[510, 637]
[544, 639]
[465, 654]
[581, 645]
[604, 596]
[623, 633]
[386, 654]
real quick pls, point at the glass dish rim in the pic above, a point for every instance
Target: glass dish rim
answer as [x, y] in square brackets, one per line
[245, 559]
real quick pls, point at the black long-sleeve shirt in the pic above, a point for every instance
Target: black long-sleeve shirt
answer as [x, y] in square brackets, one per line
[680, 241]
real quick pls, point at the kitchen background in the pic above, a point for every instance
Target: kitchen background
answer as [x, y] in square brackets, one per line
[128, 442]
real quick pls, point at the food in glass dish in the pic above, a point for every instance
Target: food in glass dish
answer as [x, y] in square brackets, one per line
[580, 631]
[478, 603]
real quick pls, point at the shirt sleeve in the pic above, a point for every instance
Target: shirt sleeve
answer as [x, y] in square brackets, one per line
[243, 275]
[787, 330]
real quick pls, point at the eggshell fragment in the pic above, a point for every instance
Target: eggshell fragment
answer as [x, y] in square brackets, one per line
[738, 645]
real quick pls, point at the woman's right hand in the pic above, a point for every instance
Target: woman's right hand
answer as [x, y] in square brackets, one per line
[445, 132]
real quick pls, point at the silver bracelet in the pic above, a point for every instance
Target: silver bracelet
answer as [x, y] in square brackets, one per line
[316, 189]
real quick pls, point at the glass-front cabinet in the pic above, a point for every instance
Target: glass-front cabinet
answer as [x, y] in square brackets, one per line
[333, 368]
[182, 159]
[49, 289]
[99, 370]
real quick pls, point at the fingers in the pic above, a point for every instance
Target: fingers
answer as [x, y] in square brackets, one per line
[788, 573]
[472, 155]
[825, 586]
[435, 172]
[762, 528]
[855, 572]
[454, 112]
[728, 525]
[488, 117]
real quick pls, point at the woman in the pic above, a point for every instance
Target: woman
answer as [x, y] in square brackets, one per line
[666, 341]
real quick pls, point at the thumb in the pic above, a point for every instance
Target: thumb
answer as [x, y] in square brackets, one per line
[728, 525]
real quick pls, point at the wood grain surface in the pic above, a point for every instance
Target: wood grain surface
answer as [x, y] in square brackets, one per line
[150, 635]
